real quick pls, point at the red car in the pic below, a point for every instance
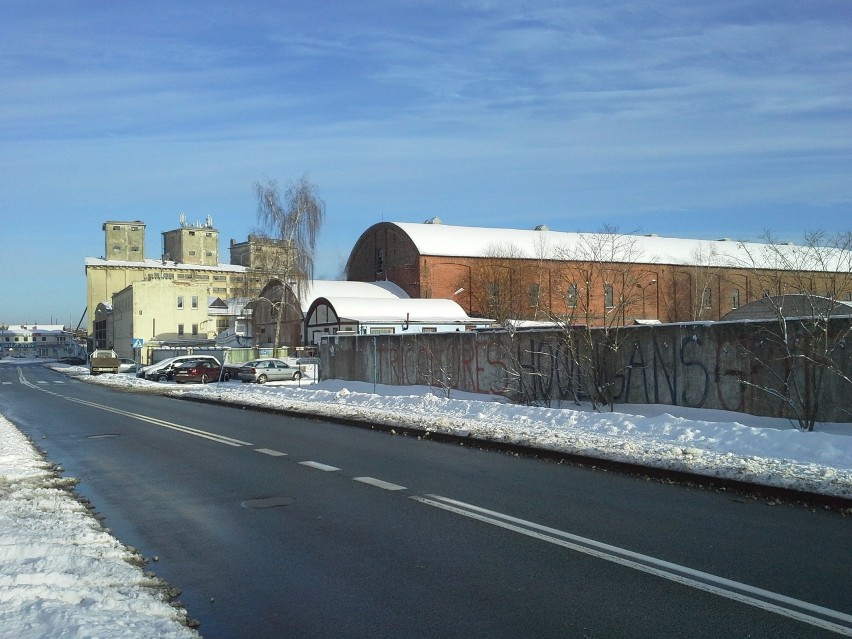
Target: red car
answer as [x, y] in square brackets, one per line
[199, 371]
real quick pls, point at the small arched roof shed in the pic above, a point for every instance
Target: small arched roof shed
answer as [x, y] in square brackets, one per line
[357, 315]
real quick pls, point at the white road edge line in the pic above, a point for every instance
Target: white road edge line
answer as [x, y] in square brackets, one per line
[319, 466]
[609, 553]
[378, 483]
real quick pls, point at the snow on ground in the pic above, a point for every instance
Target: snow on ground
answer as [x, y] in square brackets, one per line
[61, 574]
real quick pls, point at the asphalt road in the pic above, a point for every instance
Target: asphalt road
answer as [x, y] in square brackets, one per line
[281, 527]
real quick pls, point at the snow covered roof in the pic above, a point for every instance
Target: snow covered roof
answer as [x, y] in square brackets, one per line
[398, 310]
[27, 329]
[161, 264]
[315, 289]
[791, 306]
[463, 241]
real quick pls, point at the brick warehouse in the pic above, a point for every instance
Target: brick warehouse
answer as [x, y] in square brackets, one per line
[595, 279]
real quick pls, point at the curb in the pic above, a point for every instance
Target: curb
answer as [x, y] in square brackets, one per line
[755, 491]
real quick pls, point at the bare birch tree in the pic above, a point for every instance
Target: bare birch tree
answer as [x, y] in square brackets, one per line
[804, 289]
[603, 284]
[296, 223]
[689, 292]
[494, 283]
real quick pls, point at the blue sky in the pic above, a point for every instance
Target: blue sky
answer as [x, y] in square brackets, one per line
[687, 119]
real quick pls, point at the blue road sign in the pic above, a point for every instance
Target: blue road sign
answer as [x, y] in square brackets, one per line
[137, 342]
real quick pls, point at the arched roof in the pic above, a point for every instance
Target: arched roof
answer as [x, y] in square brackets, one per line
[341, 288]
[395, 310]
[307, 293]
[437, 239]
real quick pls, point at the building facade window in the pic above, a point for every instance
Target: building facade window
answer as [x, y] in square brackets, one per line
[382, 330]
[493, 294]
[707, 298]
[571, 296]
[534, 295]
[735, 298]
[194, 302]
[609, 298]
[180, 302]
[180, 329]
[195, 329]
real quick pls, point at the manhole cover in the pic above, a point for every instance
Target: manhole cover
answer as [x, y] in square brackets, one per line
[103, 436]
[268, 502]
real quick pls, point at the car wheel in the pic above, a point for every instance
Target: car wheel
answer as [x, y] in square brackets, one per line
[262, 379]
[162, 378]
[226, 376]
[297, 376]
[204, 379]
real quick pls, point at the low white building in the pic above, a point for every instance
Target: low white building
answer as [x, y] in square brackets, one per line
[283, 309]
[364, 316]
[36, 340]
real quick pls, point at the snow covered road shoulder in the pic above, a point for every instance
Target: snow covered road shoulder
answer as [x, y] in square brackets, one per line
[61, 573]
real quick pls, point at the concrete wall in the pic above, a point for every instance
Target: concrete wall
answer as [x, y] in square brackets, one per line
[721, 365]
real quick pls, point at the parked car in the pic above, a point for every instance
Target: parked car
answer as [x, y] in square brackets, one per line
[233, 368]
[204, 371]
[73, 360]
[268, 370]
[127, 365]
[164, 371]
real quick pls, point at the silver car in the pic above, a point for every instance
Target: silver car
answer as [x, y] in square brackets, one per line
[126, 365]
[268, 369]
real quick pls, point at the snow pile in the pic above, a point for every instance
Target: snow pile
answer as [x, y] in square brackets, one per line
[61, 573]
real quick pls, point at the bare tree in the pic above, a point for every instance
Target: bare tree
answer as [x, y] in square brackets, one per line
[296, 222]
[494, 280]
[803, 288]
[689, 294]
[603, 286]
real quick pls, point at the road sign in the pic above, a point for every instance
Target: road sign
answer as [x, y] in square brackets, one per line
[137, 342]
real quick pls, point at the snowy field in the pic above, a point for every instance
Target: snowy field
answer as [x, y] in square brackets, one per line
[63, 575]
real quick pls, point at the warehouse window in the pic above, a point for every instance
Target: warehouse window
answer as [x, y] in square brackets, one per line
[571, 297]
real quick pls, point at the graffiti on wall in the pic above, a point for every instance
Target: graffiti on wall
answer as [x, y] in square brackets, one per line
[478, 366]
[701, 366]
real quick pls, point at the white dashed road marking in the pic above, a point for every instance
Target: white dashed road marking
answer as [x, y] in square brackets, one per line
[270, 452]
[386, 485]
[318, 466]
